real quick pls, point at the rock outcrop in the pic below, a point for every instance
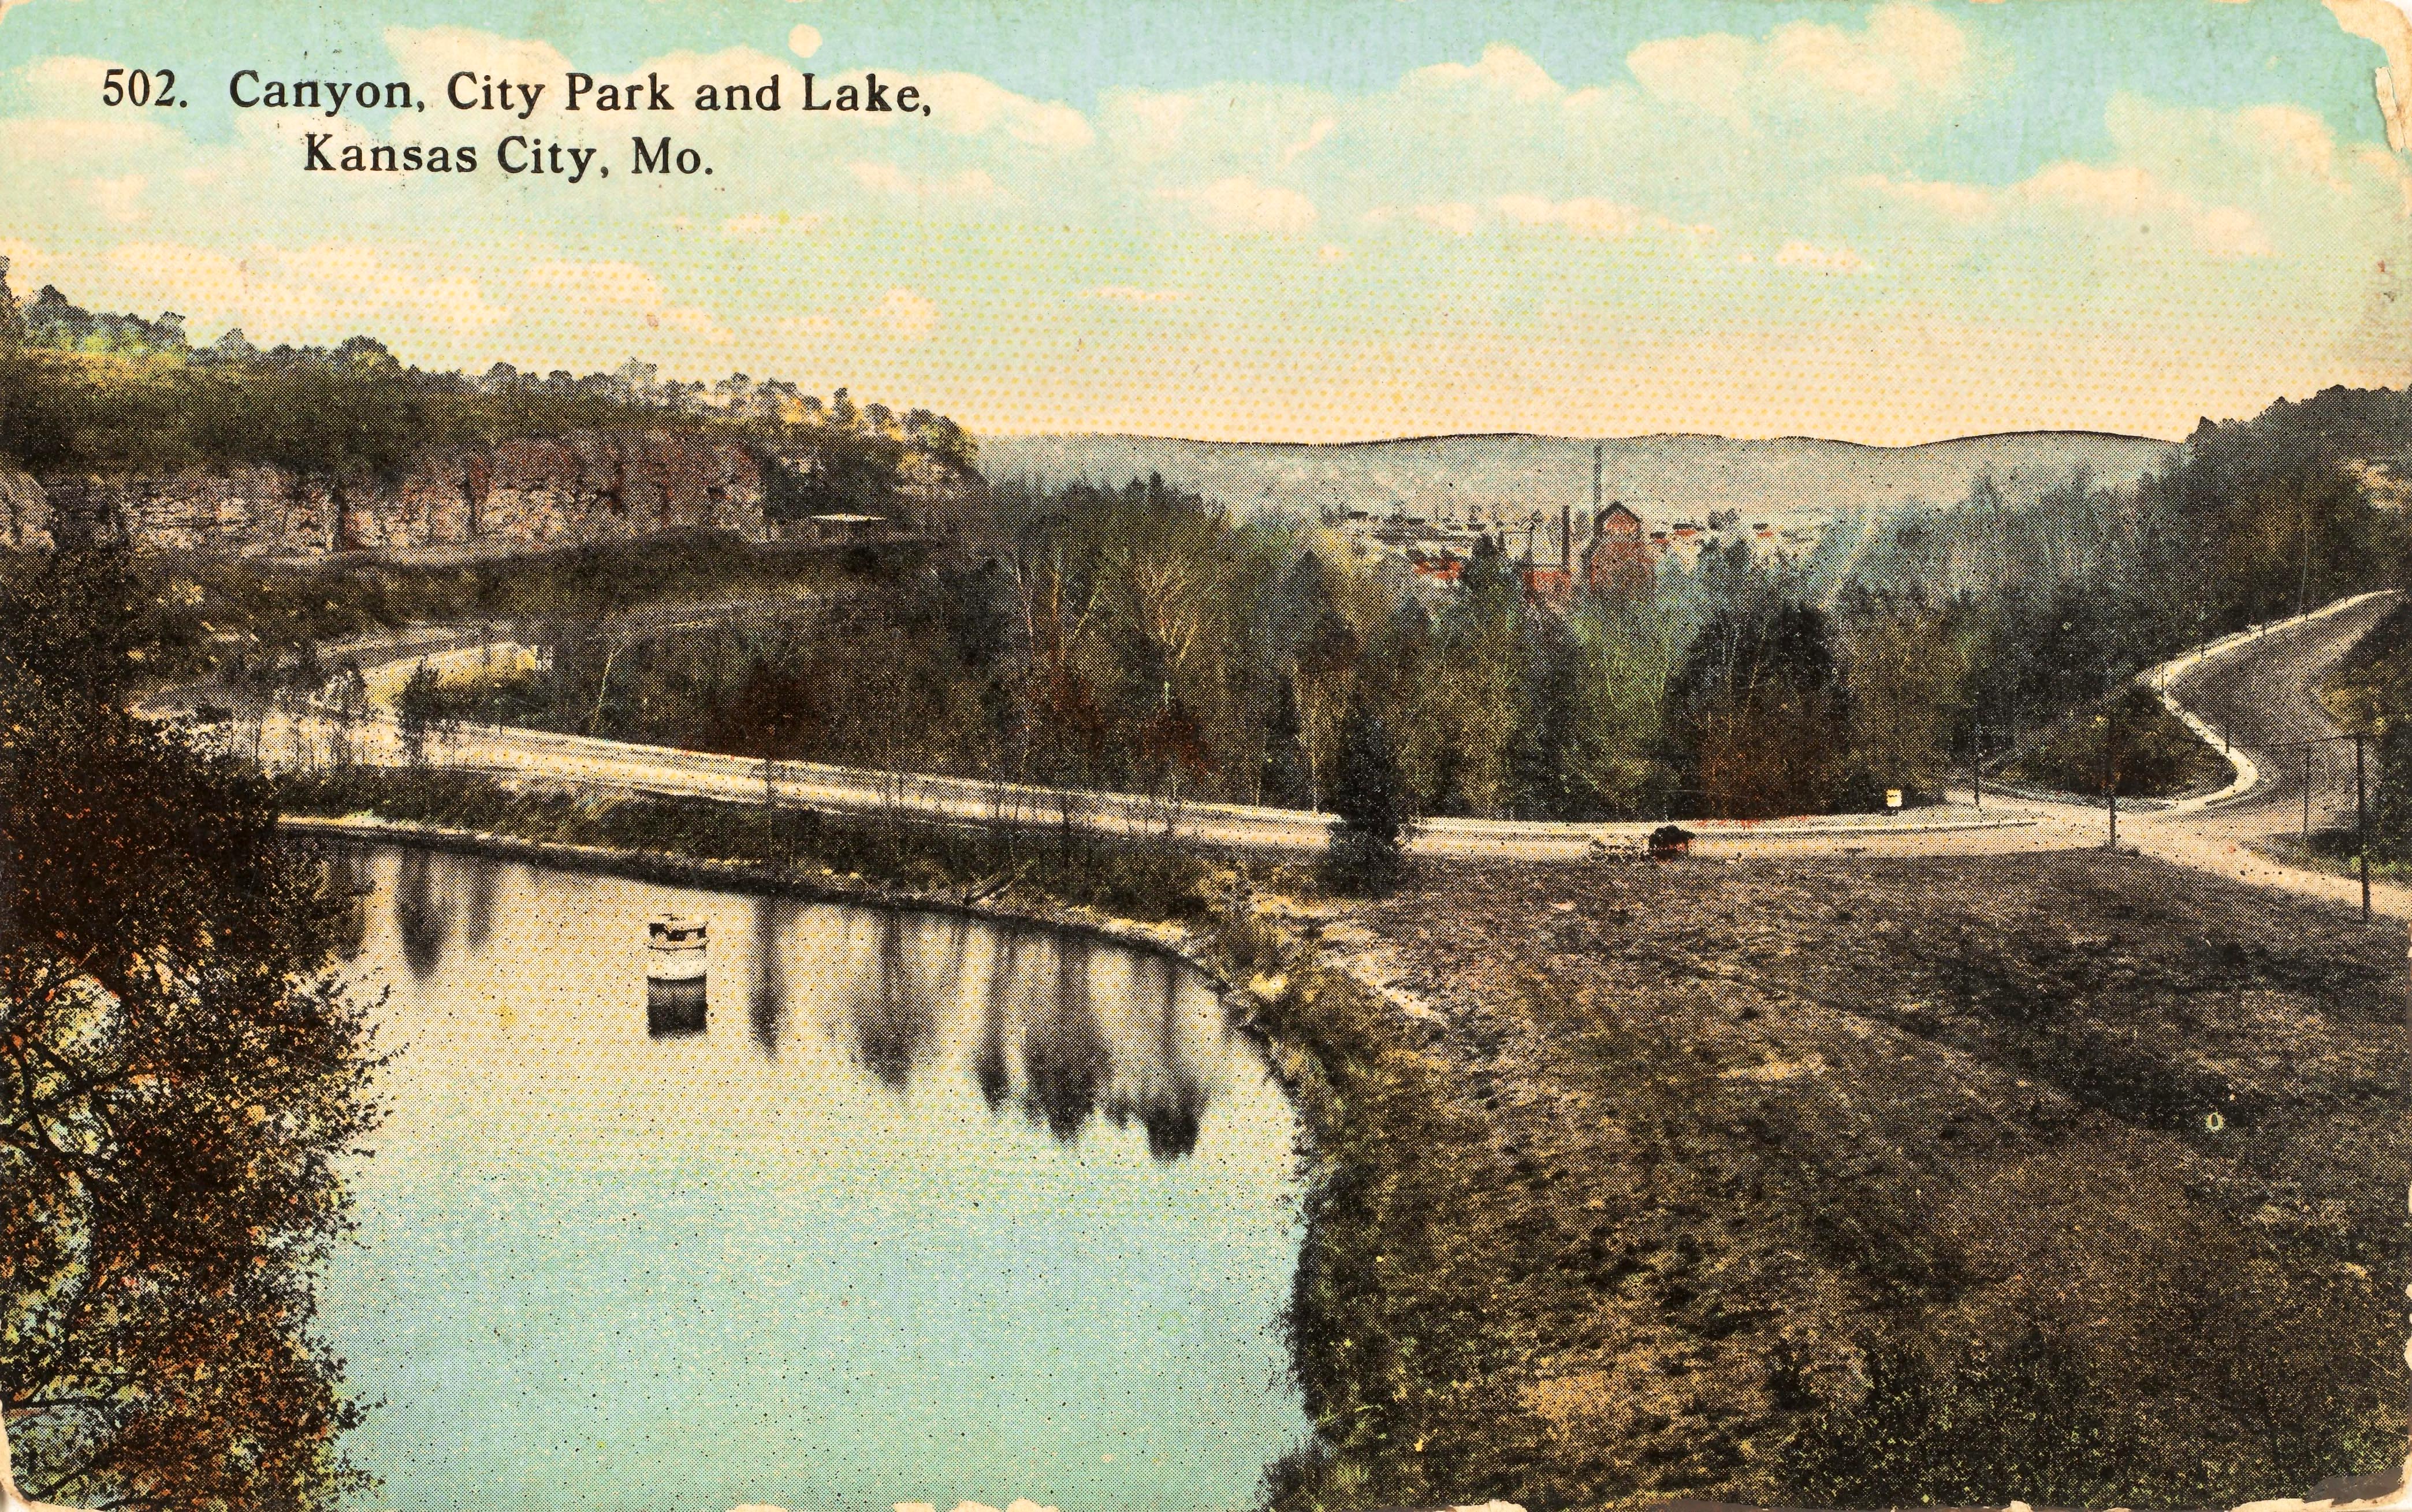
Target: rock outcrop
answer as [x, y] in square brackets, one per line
[516, 495]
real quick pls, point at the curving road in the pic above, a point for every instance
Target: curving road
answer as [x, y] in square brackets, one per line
[2259, 690]
[2265, 699]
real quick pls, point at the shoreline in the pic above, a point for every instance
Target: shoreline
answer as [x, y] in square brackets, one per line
[678, 869]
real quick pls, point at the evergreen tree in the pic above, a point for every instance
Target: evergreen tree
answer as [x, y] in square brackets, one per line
[1286, 782]
[1545, 773]
[1371, 798]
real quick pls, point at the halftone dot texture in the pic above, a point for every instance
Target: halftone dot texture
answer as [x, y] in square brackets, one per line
[1888, 223]
[926, 1208]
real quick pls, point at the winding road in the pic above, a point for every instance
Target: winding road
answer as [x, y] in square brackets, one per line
[2256, 692]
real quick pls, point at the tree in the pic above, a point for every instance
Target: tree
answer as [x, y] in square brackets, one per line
[1905, 696]
[1371, 798]
[12, 320]
[1756, 714]
[178, 1076]
[419, 711]
[1283, 782]
[348, 705]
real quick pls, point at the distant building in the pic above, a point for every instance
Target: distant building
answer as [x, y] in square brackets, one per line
[1616, 564]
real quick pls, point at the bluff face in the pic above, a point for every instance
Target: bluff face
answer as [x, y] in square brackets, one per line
[515, 496]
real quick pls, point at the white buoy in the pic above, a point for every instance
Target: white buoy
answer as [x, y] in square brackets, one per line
[675, 949]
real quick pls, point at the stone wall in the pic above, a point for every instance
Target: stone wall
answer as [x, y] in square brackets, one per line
[517, 495]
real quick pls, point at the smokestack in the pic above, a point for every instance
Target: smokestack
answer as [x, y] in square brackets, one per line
[1567, 536]
[1598, 451]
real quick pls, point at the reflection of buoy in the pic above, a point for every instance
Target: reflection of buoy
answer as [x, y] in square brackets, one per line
[675, 1008]
[674, 950]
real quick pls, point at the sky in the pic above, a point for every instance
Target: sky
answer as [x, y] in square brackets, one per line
[1251, 220]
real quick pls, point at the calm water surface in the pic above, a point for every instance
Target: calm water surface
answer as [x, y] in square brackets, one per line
[929, 1211]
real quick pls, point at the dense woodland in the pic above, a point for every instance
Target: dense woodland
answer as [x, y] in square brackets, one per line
[84, 392]
[1141, 639]
[180, 1076]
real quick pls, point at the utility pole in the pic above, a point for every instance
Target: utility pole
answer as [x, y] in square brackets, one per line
[1976, 764]
[2307, 800]
[2110, 772]
[2362, 823]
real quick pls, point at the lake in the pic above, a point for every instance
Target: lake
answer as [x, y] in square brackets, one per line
[929, 1210]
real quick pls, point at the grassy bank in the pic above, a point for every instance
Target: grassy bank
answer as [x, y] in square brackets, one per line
[1133, 879]
[2068, 1177]
[2131, 735]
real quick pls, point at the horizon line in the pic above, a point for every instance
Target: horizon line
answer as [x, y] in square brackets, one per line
[1545, 435]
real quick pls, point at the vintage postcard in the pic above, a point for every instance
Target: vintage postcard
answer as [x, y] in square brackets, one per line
[1182, 755]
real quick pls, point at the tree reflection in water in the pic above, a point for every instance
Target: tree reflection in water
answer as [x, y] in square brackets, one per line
[422, 912]
[1077, 1060]
[480, 874]
[893, 1022]
[767, 1003]
[1172, 1102]
[350, 880]
[1065, 1063]
[1054, 1027]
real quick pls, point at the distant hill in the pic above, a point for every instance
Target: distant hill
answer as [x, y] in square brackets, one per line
[1660, 476]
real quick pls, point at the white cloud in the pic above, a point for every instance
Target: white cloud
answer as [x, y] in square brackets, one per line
[1583, 216]
[1818, 258]
[436, 52]
[1953, 201]
[1715, 73]
[618, 291]
[2120, 196]
[755, 228]
[1454, 216]
[1150, 125]
[803, 41]
[52, 142]
[1241, 204]
[968, 105]
[1314, 139]
[1503, 67]
[1906, 53]
[2128, 194]
[118, 199]
[2296, 137]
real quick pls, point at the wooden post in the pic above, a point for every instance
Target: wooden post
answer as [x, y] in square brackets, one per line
[2362, 823]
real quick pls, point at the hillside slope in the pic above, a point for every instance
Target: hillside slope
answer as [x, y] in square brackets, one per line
[1663, 477]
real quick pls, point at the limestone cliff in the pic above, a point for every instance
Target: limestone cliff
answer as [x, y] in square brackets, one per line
[514, 495]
